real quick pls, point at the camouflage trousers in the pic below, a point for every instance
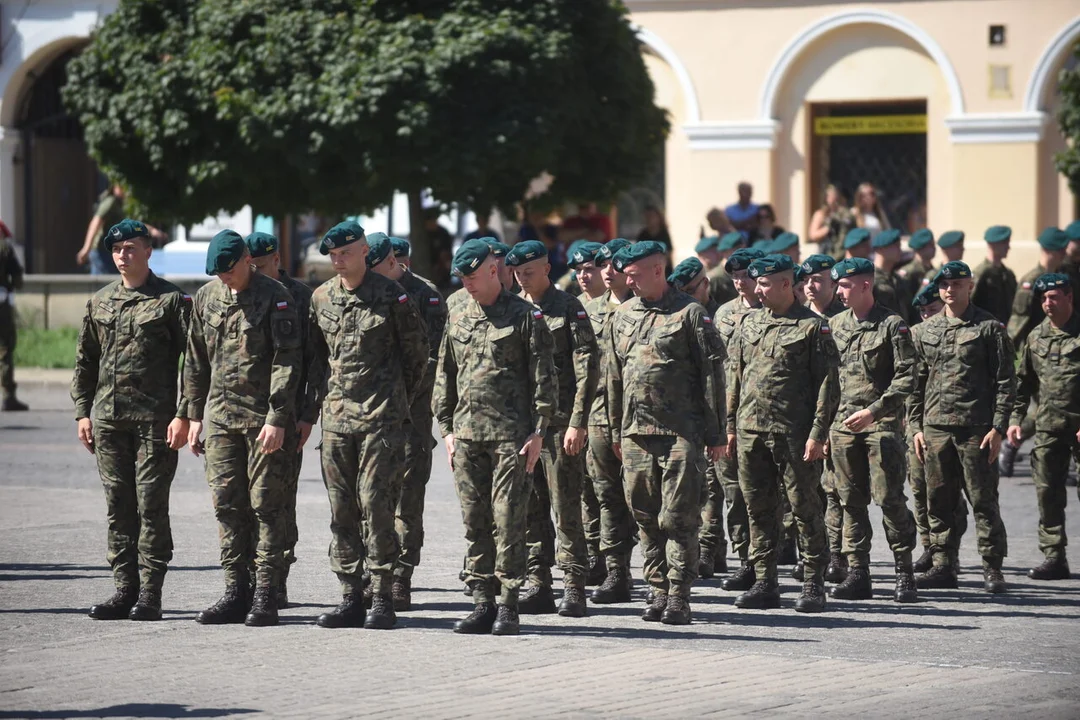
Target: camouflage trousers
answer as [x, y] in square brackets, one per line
[834, 510]
[871, 466]
[409, 522]
[556, 486]
[711, 538]
[917, 483]
[7, 348]
[1049, 469]
[590, 513]
[618, 530]
[664, 478]
[247, 488]
[136, 468]
[294, 456]
[954, 464]
[738, 522]
[362, 473]
[767, 460]
[493, 489]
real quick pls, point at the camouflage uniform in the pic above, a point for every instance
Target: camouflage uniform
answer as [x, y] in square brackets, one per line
[1027, 313]
[914, 276]
[495, 385]
[834, 509]
[126, 364]
[11, 279]
[995, 289]
[784, 392]
[371, 356]
[890, 294]
[965, 386]
[721, 286]
[665, 404]
[242, 371]
[876, 373]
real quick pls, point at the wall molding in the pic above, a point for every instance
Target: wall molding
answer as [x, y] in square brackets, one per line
[1043, 74]
[667, 53]
[991, 128]
[746, 135]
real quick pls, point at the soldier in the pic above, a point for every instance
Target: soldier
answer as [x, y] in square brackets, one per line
[124, 389]
[995, 284]
[820, 287]
[241, 377]
[952, 246]
[918, 272]
[1071, 266]
[1050, 363]
[383, 259]
[495, 394]
[889, 291]
[562, 461]
[506, 275]
[876, 376]
[266, 258]
[857, 243]
[721, 286]
[787, 243]
[11, 279]
[403, 252]
[783, 397]
[588, 275]
[959, 411]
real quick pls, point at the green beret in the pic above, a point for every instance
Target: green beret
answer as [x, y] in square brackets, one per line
[952, 271]
[685, 272]
[741, 259]
[798, 274]
[852, 267]
[784, 241]
[125, 230]
[606, 253]
[920, 239]
[574, 247]
[498, 249]
[586, 252]
[926, 296]
[770, 265]
[380, 248]
[764, 245]
[225, 250]
[1052, 281]
[402, 248]
[636, 252]
[953, 237]
[1072, 231]
[525, 252]
[261, 244]
[885, 238]
[1052, 239]
[707, 243]
[855, 236]
[342, 234]
[997, 233]
[469, 257]
[730, 241]
[818, 263]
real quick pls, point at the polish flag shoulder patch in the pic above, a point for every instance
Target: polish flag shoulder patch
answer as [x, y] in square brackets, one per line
[186, 297]
[581, 314]
[433, 301]
[283, 305]
[403, 298]
[1001, 325]
[1027, 285]
[537, 314]
[826, 330]
[707, 319]
[903, 329]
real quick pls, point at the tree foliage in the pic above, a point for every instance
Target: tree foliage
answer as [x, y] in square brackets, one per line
[1068, 161]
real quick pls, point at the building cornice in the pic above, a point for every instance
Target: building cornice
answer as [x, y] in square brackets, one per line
[994, 128]
[745, 135]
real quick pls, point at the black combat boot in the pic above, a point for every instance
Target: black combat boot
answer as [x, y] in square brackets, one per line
[720, 560]
[12, 404]
[537, 600]
[837, 569]
[655, 611]
[1051, 569]
[282, 595]
[937, 578]
[118, 606]
[706, 566]
[381, 615]
[799, 571]
[350, 613]
[263, 611]
[925, 561]
[994, 581]
[1007, 458]
[479, 621]
[812, 599]
[231, 609]
[906, 591]
[788, 554]
[401, 592]
[856, 586]
[368, 593]
[677, 611]
[615, 588]
[597, 571]
[573, 603]
[762, 595]
[506, 621]
[148, 607]
[740, 580]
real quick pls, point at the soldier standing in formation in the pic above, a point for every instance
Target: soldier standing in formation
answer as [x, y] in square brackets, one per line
[857, 243]
[721, 286]
[787, 243]
[918, 272]
[952, 246]
[995, 284]
[11, 279]
[889, 291]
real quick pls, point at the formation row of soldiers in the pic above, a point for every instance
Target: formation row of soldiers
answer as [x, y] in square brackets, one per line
[661, 408]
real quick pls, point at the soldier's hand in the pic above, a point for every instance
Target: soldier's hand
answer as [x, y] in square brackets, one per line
[992, 440]
[729, 449]
[1078, 440]
[86, 434]
[574, 440]
[814, 451]
[450, 449]
[304, 428]
[1016, 435]
[616, 447]
[176, 435]
[531, 451]
[714, 453]
[859, 421]
[920, 447]
[271, 438]
[193, 433]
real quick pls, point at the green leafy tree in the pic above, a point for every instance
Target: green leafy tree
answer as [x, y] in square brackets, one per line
[1068, 161]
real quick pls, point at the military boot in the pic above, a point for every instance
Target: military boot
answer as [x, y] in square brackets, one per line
[615, 588]
[937, 578]
[148, 607]
[720, 560]
[506, 621]
[350, 613]
[381, 615]
[799, 571]
[1051, 569]
[740, 580]
[837, 569]
[231, 609]
[655, 610]
[282, 595]
[12, 404]
[1007, 458]
[906, 590]
[537, 600]
[994, 581]
[925, 561]
[368, 593]
[401, 592]
[788, 553]
[812, 599]
[263, 611]
[856, 586]
[573, 603]
[597, 570]
[677, 611]
[479, 621]
[762, 595]
[118, 606]
[707, 566]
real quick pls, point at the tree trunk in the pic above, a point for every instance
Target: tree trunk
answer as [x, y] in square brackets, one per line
[418, 239]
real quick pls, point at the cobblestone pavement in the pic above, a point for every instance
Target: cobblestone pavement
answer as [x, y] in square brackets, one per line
[956, 653]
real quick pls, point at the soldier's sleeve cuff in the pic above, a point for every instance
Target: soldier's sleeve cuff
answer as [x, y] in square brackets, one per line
[446, 429]
[715, 440]
[541, 425]
[579, 420]
[276, 418]
[195, 411]
[82, 411]
[819, 434]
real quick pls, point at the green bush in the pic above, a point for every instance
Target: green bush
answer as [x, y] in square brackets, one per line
[46, 348]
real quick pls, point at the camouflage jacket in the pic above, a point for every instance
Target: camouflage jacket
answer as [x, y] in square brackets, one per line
[877, 367]
[601, 311]
[575, 355]
[301, 295]
[1050, 368]
[11, 270]
[371, 354]
[964, 375]
[1027, 312]
[243, 362]
[432, 307]
[496, 379]
[128, 355]
[835, 308]
[721, 286]
[783, 374]
[995, 289]
[665, 361]
[891, 294]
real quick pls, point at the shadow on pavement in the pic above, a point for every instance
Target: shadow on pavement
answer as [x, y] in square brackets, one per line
[46, 611]
[138, 710]
[656, 631]
[69, 567]
[49, 576]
